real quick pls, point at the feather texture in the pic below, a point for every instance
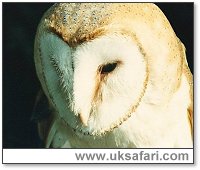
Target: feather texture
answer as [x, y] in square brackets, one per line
[114, 74]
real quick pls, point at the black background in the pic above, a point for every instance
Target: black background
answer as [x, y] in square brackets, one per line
[20, 83]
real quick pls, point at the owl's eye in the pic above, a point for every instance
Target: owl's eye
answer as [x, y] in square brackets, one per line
[108, 68]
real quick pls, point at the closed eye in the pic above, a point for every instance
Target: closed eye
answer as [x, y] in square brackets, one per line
[107, 68]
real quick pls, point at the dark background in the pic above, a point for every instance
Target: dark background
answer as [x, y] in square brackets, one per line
[20, 83]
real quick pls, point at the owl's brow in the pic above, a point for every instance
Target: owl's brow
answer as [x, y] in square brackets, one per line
[76, 39]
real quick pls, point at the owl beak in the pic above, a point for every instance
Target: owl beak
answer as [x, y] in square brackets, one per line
[84, 118]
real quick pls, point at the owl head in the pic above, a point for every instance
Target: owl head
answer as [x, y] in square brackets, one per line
[99, 62]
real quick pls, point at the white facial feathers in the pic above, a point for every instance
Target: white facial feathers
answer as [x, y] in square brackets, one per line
[90, 97]
[124, 83]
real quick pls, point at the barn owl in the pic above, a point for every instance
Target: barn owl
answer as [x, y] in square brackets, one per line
[115, 76]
